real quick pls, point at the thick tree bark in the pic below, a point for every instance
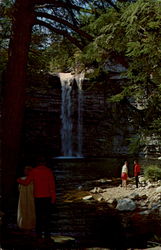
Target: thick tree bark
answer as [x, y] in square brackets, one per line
[14, 96]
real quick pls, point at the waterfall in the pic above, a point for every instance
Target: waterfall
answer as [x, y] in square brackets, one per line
[79, 79]
[66, 105]
[67, 80]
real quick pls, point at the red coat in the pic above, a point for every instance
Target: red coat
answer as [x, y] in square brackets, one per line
[43, 181]
[136, 169]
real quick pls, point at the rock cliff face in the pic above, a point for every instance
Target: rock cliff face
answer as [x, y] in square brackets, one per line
[98, 127]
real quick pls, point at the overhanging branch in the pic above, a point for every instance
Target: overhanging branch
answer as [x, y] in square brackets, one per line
[59, 4]
[66, 23]
[60, 32]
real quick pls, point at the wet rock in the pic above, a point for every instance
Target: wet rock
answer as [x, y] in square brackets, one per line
[158, 190]
[134, 196]
[149, 186]
[104, 181]
[155, 207]
[153, 248]
[62, 239]
[112, 203]
[98, 197]
[88, 197]
[146, 212]
[126, 205]
[142, 179]
[96, 190]
[146, 199]
[142, 205]
[80, 187]
[143, 197]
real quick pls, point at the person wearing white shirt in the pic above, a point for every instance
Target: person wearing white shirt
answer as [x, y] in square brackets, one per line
[124, 174]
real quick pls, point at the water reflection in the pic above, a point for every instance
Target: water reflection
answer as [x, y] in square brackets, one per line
[91, 223]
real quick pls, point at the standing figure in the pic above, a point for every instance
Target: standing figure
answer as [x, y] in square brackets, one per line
[137, 168]
[44, 194]
[26, 206]
[124, 174]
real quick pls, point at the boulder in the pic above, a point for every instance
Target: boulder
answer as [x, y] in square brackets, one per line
[146, 212]
[88, 197]
[126, 205]
[134, 196]
[158, 190]
[96, 190]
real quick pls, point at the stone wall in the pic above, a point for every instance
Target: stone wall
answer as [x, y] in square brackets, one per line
[105, 126]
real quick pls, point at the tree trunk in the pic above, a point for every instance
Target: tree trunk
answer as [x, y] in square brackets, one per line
[14, 96]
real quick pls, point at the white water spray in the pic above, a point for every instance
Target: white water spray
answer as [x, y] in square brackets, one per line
[79, 79]
[67, 80]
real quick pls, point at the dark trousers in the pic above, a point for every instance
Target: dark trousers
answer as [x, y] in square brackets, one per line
[137, 180]
[43, 212]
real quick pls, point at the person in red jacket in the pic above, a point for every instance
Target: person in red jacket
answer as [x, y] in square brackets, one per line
[44, 193]
[136, 172]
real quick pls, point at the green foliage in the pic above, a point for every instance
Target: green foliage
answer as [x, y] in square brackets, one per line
[156, 125]
[134, 145]
[5, 32]
[105, 29]
[152, 172]
[133, 33]
[62, 56]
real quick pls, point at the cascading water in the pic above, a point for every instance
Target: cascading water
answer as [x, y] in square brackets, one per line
[79, 79]
[67, 80]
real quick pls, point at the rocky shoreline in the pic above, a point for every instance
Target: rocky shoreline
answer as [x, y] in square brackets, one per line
[139, 208]
[146, 198]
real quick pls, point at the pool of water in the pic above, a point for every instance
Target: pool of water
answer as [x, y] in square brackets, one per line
[91, 223]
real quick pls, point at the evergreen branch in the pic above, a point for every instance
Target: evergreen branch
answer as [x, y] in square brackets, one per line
[112, 4]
